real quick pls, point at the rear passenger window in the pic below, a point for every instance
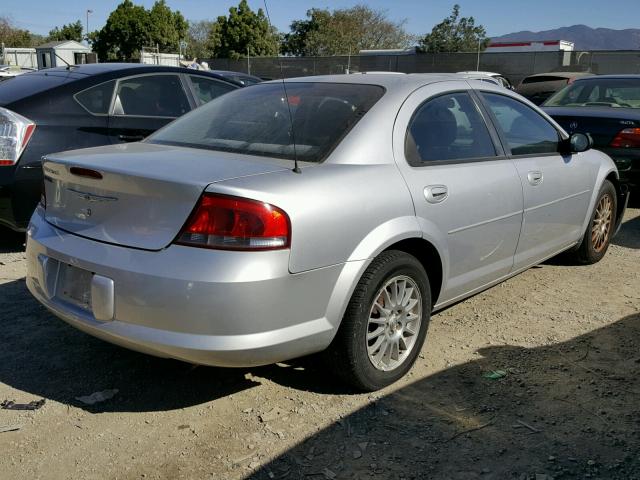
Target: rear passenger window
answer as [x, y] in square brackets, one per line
[151, 96]
[448, 127]
[527, 132]
[97, 99]
[206, 89]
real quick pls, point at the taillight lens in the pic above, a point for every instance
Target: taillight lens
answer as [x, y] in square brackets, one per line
[15, 133]
[627, 138]
[233, 223]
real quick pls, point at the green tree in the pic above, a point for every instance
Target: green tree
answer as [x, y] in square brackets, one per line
[15, 37]
[167, 28]
[343, 31]
[72, 31]
[243, 30]
[131, 27]
[198, 39]
[124, 34]
[455, 34]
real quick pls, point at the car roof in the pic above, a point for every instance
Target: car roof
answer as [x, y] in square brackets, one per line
[480, 72]
[562, 74]
[605, 77]
[399, 81]
[98, 68]
[231, 72]
[35, 83]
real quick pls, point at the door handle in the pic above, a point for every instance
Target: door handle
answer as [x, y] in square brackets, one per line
[131, 138]
[436, 193]
[535, 177]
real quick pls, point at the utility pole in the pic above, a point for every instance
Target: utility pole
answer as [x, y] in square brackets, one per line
[88, 12]
[478, 62]
[248, 63]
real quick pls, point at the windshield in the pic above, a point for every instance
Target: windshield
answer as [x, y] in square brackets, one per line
[257, 120]
[606, 92]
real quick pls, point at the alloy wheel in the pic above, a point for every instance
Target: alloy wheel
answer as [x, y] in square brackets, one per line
[394, 323]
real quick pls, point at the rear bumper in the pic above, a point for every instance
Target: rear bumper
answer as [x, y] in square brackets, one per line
[202, 306]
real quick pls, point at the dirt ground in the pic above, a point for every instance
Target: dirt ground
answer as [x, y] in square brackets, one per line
[568, 407]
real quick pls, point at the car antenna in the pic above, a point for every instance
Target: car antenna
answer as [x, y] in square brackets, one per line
[296, 169]
[66, 63]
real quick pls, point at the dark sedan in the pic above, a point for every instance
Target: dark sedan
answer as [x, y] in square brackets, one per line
[607, 107]
[84, 106]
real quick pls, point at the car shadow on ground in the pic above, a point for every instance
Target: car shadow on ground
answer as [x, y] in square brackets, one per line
[45, 357]
[567, 410]
[11, 241]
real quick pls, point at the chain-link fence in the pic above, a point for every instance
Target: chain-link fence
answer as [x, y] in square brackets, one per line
[514, 66]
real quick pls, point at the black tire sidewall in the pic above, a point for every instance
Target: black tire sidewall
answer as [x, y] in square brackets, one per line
[400, 264]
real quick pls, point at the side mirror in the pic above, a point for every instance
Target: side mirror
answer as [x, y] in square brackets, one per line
[578, 142]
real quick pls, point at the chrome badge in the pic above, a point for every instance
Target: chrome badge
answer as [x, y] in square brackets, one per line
[90, 197]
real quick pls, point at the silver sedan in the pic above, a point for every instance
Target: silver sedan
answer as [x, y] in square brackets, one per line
[326, 214]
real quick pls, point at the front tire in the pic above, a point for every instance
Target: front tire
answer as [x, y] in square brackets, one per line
[601, 224]
[385, 324]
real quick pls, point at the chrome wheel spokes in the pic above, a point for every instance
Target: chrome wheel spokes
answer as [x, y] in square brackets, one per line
[602, 222]
[394, 323]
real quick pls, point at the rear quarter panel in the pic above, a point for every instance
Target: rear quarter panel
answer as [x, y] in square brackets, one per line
[338, 213]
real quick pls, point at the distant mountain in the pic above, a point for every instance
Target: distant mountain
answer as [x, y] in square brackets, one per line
[584, 37]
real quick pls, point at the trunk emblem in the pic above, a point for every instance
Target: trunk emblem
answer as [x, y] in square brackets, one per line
[573, 125]
[90, 197]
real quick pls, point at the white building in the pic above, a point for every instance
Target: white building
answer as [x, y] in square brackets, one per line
[55, 54]
[530, 46]
[20, 57]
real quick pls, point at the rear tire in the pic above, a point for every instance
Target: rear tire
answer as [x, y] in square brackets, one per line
[600, 229]
[384, 326]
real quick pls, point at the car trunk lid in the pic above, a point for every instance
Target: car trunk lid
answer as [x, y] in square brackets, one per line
[136, 195]
[603, 124]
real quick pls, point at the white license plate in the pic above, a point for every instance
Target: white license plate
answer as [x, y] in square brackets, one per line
[74, 285]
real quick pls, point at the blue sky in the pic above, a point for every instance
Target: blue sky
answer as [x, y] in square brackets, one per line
[498, 16]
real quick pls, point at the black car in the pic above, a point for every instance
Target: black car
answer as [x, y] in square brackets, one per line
[607, 107]
[243, 78]
[84, 106]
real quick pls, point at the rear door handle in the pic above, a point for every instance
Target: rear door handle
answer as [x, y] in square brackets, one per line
[535, 177]
[131, 138]
[436, 193]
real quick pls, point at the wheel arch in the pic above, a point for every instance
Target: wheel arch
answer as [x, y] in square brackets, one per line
[622, 194]
[428, 256]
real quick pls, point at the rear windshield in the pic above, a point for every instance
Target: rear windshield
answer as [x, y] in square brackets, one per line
[29, 84]
[258, 121]
[606, 92]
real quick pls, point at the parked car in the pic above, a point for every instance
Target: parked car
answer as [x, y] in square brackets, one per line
[337, 213]
[82, 106]
[607, 107]
[498, 78]
[11, 71]
[537, 88]
[242, 78]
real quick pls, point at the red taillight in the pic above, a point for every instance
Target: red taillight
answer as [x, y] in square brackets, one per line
[627, 138]
[233, 223]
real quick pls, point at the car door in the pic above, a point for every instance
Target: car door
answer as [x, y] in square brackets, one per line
[556, 187]
[145, 103]
[465, 190]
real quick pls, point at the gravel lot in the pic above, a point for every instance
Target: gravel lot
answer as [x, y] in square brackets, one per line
[566, 337]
